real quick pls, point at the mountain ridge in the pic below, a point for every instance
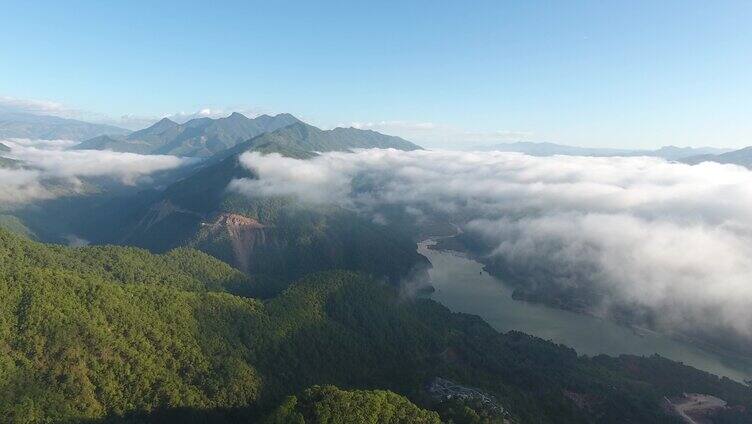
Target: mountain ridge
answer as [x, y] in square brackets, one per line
[742, 157]
[198, 137]
[206, 137]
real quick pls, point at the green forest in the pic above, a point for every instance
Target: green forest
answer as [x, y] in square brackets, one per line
[113, 334]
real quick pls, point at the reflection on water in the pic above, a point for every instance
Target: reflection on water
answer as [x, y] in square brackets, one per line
[463, 286]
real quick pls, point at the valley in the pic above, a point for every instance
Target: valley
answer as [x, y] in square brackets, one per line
[200, 299]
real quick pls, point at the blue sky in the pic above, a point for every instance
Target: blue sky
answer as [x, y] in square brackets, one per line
[592, 73]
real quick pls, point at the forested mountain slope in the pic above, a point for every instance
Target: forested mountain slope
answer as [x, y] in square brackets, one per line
[308, 138]
[200, 137]
[271, 236]
[111, 333]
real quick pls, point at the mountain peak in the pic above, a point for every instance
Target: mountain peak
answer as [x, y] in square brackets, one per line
[164, 123]
[286, 116]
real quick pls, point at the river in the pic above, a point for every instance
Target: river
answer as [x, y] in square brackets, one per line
[463, 286]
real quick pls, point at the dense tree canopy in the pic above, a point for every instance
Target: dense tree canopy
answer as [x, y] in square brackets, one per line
[330, 405]
[111, 333]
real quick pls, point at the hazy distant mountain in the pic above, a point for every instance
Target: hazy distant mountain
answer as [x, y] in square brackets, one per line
[680, 153]
[550, 149]
[199, 137]
[26, 125]
[741, 157]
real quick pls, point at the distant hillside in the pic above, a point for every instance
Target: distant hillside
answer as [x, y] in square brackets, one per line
[199, 137]
[551, 149]
[26, 125]
[741, 157]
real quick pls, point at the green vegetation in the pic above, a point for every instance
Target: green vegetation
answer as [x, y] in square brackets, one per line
[15, 226]
[297, 241]
[330, 405]
[112, 333]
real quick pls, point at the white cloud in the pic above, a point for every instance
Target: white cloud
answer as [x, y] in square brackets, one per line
[20, 143]
[20, 186]
[671, 238]
[45, 161]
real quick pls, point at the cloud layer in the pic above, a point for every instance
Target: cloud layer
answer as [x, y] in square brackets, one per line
[49, 171]
[671, 238]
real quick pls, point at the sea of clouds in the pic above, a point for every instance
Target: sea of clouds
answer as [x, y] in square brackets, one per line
[669, 237]
[49, 170]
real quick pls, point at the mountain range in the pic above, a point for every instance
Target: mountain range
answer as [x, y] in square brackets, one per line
[200, 137]
[27, 125]
[276, 237]
[551, 149]
[204, 137]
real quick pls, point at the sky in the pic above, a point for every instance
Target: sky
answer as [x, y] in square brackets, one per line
[629, 74]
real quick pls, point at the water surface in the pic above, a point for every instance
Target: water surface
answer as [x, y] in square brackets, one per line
[463, 286]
